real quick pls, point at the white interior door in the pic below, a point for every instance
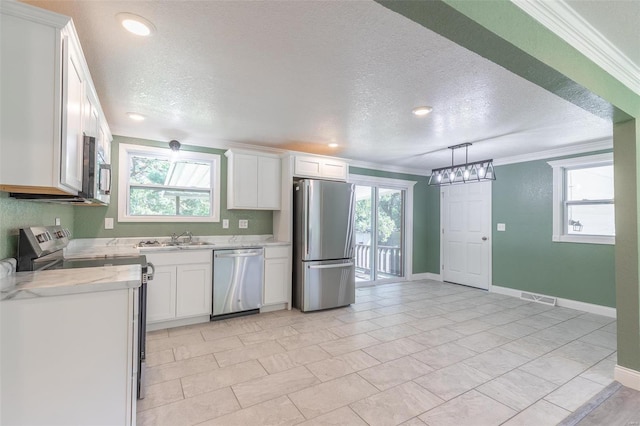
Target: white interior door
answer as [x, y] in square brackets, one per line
[466, 234]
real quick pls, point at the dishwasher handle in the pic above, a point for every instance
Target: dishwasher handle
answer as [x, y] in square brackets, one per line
[252, 254]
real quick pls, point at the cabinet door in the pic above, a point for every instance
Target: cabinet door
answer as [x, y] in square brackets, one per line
[334, 169]
[161, 294]
[90, 115]
[307, 166]
[269, 183]
[244, 182]
[275, 281]
[194, 290]
[73, 100]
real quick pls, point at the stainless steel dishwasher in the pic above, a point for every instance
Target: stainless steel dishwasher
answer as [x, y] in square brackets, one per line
[237, 282]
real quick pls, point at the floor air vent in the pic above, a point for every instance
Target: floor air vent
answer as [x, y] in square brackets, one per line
[539, 298]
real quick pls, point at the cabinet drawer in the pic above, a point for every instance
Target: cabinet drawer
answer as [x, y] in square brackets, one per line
[276, 252]
[179, 257]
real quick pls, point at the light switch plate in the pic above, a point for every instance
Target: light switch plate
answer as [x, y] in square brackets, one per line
[108, 223]
[502, 227]
[225, 223]
[243, 224]
[57, 221]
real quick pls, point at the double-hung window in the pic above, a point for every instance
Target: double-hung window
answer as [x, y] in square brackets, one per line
[583, 203]
[158, 185]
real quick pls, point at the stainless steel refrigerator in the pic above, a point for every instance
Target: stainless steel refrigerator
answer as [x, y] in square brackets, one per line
[323, 264]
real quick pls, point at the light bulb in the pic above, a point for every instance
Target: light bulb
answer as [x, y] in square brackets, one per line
[466, 174]
[481, 172]
[439, 177]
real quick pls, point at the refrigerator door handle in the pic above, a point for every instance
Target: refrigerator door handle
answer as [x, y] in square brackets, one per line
[306, 218]
[336, 265]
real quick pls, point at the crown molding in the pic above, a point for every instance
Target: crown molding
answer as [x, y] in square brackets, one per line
[597, 145]
[388, 168]
[570, 26]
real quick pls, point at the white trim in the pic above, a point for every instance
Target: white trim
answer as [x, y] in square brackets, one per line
[34, 14]
[586, 161]
[404, 185]
[123, 179]
[583, 148]
[389, 168]
[426, 276]
[161, 325]
[628, 377]
[606, 311]
[570, 26]
[559, 167]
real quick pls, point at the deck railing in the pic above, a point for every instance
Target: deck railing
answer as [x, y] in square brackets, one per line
[389, 259]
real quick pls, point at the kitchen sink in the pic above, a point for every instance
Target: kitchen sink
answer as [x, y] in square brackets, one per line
[157, 244]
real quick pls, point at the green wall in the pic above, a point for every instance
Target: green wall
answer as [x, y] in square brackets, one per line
[426, 219]
[89, 221]
[525, 258]
[16, 214]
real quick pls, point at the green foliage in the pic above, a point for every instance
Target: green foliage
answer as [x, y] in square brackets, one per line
[165, 201]
[389, 215]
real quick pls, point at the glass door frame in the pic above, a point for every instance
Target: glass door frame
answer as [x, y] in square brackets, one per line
[407, 221]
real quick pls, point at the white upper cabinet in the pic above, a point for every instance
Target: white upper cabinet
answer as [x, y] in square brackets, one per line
[48, 102]
[320, 167]
[253, 180]
[73, 120]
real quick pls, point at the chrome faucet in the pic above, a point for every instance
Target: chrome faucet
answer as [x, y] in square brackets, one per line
[188, 237]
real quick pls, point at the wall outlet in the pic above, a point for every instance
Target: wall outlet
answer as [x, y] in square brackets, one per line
[243, 224]
[225, 223]
[57, 221]
[502, 227]
[108, 223]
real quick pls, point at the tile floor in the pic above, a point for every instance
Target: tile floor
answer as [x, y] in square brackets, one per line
[408, 353]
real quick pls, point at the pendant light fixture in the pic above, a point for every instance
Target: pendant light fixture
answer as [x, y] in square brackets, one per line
[174, 145]
[476, 171]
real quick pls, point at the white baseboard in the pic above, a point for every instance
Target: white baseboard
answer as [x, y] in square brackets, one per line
[565, 303]
[271, 308]
[426, 276]
[628, 377]
[178, 323]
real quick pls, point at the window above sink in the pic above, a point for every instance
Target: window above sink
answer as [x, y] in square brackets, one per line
[159, 185]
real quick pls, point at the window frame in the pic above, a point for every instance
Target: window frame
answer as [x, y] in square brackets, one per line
[126, 150]
[560, 203]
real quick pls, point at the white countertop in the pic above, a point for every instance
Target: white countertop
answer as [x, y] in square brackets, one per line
[128, 246]
[58, 282]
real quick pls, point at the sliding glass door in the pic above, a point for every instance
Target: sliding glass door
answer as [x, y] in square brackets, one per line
[380, 238]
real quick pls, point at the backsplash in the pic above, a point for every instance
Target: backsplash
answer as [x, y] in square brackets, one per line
[16, 214]
[90, 220]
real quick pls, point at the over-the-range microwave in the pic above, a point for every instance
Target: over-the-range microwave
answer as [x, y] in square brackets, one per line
[96, 179]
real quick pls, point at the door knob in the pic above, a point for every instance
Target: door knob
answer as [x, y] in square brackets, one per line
[484, 238]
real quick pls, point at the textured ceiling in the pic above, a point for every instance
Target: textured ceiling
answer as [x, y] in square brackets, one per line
[298, 75]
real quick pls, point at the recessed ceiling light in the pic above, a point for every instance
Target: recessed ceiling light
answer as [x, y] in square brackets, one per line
[135, 116]
[421, 110]
[136, 24]
[333, 145]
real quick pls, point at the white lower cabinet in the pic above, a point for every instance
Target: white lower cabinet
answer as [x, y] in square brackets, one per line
[69, 359]
[193, 290]
[161, 293]
[277, 275]
[181, 286]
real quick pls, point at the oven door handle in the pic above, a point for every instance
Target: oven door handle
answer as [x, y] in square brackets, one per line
[153, 271]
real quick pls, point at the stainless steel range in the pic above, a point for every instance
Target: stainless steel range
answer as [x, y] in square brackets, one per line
[41, 248]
